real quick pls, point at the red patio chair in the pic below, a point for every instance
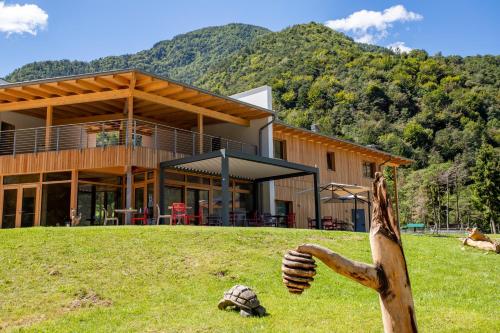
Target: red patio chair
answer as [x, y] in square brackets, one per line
[290, 220]
[198, 217]
[255, 220]
[143, 218]
[179, 213]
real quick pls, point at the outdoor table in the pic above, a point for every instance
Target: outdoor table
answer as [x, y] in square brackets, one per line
[280, 220]
[127, 212]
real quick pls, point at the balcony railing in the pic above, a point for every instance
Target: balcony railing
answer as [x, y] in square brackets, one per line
[133, 133]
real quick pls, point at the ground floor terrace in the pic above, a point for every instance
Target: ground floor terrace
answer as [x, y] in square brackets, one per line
[216, 188]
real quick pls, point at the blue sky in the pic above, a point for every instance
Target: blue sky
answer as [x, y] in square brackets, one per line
[35, 30]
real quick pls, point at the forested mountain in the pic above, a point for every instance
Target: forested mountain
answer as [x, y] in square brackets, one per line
[444, 112]
[185, 57]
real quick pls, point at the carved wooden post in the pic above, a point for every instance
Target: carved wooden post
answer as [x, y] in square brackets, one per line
[387, 275]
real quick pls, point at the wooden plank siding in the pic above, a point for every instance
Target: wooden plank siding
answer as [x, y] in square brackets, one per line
[89, 158]
[348, 170]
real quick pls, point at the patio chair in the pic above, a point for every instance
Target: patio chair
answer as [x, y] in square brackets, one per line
[179, 213]
[290, 220]
[239, 219]
[198, 217]
[255, 220]
[269, 220]
[142, 217]
[327, 222]
[214, 220]
[311, 223]
[111, 217]
[160, 216]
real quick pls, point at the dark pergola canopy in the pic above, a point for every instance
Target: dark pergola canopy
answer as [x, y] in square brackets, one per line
[240, 165]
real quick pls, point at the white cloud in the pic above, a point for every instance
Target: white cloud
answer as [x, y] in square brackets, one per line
[20, 19]
[369, 26]
[399, 47]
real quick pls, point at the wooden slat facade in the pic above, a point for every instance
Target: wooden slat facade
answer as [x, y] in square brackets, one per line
[310, 149]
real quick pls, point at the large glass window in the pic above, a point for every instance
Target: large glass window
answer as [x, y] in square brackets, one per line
[283, 207]
[56, 176]
[139, 198]
[93, 198]
[243, 202]
[9, 208]
[21, 179]
[55, 204]
[198, 201]
[173, 194]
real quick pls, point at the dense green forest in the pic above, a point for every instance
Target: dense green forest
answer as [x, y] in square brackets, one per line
[443, 112]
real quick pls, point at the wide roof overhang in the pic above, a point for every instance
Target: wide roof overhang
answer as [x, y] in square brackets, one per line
[104, 96]
[241, 166]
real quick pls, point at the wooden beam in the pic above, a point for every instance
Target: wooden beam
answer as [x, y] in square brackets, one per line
[36, 92]
[106, 83]
[77, 120]
[65, 100]
[48, 126]
[17, 93]
[52, 89]
[9, 98]
[191, 108]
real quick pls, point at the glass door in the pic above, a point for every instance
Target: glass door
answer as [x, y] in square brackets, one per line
[9, 208]
[197, 199]
[19, 206]
[28, 206]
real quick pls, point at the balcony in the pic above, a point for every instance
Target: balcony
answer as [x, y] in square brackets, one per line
[123, 132]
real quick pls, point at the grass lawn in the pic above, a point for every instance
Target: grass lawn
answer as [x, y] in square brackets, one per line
[169, 279]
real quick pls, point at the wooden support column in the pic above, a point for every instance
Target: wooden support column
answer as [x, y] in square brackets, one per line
[48, 126]
[225, 189]
[1, 200]
[74, 191]
[200, 132]
[396, 198]
[130, 117]
[128, 195]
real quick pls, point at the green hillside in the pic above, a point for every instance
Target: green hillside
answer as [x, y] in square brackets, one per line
[185, 57]
[169, 279]
[443, 112]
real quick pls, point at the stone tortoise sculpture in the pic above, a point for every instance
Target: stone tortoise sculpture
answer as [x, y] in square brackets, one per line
[243, 298]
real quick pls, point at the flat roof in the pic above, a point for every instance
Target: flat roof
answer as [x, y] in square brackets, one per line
[241, 165]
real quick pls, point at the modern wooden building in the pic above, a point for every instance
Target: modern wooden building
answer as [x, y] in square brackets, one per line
[132, 139]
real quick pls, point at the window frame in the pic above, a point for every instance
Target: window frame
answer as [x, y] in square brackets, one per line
[283, 150]
[330, 161]
[373, 168]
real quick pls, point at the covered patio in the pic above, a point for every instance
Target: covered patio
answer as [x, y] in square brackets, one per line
[243, 166]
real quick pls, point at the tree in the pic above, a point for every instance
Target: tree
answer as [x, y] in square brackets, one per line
[486, 186]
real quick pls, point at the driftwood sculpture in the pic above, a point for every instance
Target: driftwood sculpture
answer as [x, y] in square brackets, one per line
[479, 240]
[387, 275]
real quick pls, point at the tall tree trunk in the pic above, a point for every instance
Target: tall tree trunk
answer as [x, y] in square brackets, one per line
[387, 275]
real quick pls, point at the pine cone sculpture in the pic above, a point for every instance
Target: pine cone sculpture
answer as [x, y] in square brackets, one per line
[298, 271]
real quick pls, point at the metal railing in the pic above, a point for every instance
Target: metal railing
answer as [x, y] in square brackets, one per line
[135, 133]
